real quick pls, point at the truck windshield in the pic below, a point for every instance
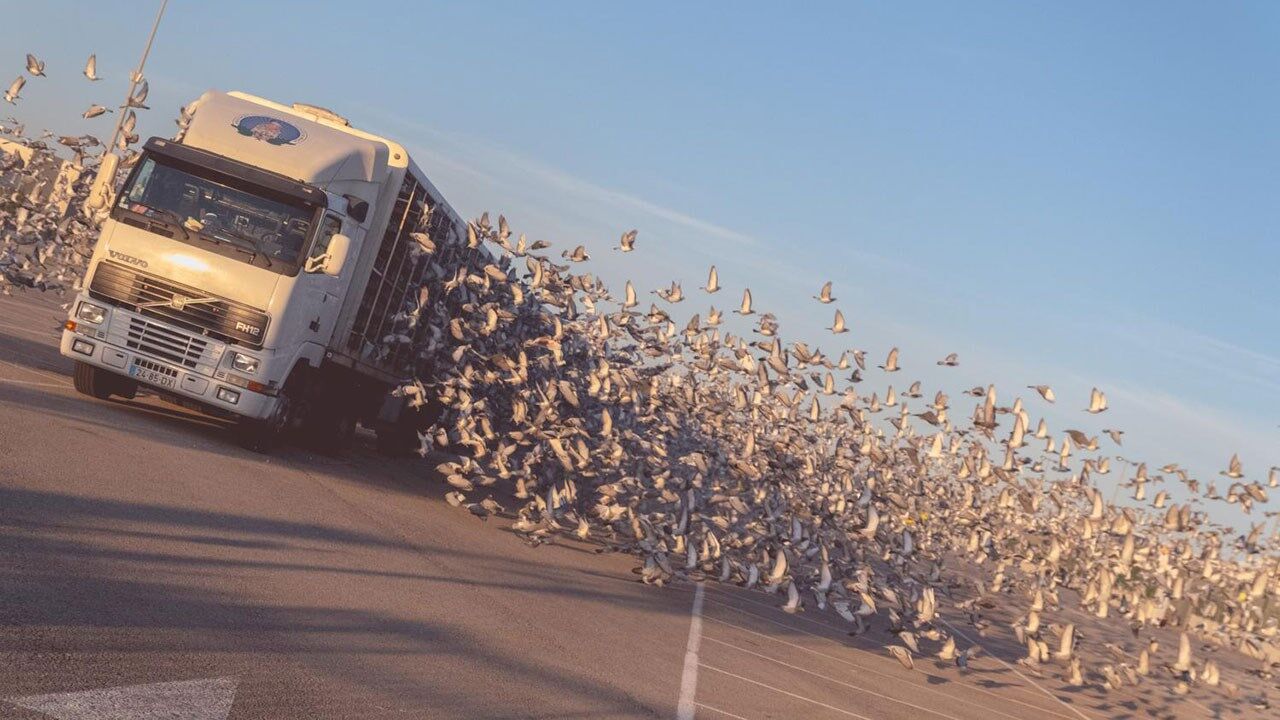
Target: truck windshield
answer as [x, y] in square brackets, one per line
[236, 218]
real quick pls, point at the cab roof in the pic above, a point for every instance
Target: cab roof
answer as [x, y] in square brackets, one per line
[299, 143]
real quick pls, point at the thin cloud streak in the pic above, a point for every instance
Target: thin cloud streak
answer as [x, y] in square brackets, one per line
[525, 170]
[1213, 355]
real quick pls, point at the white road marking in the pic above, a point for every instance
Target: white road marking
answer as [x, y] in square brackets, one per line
[819, 703]
[874, 648]
[725, 713]
[34, 384]
[864, 668]
[831, 679]
[41, 334]
[686, 708]
[189, 699]
[844, 631]
[1200, 705]
[36, 306]
[1015, 670]
[1129, 689]
[32, 371]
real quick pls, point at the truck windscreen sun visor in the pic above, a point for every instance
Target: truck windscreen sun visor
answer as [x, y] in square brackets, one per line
[248, 173]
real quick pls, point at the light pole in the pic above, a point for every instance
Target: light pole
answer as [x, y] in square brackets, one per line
[101, 188]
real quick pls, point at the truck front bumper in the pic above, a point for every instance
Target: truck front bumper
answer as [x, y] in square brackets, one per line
[106, 347]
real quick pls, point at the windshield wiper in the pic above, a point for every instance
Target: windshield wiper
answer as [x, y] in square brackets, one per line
[258, 250]
[167, 214]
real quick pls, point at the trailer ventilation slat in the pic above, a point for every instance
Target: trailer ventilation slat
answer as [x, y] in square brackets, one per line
[393, 281]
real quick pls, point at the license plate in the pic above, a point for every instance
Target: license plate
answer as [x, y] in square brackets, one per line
[150, 376]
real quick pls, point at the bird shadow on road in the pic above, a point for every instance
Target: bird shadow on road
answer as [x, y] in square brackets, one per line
[78, 590]
[30, 353]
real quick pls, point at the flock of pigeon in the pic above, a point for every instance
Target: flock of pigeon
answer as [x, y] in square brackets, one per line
[745, 458]
[760, 462]
[42, 245]
[80, 144]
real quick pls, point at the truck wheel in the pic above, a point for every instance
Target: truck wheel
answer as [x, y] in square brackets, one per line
[125, 388]
[397, 439]
[331, 430]
[343, 427]
[268, 433]
[94, 381]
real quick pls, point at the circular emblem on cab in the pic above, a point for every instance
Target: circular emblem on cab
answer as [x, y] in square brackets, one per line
[268, 129]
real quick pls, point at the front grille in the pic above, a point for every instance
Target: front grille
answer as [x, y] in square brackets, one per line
[218, 318]
[146, 364]
[161, 342]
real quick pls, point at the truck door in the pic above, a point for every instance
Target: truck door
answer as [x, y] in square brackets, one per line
[324, 293]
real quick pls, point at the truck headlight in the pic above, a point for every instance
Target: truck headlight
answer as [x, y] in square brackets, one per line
[244, 363]
[90, 313]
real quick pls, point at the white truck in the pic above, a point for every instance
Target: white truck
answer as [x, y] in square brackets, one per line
[261, 267]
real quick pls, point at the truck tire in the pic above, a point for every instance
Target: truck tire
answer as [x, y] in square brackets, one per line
[331, 429]
[124, 388]
[94, 381]
[398, 439]
[265, 435]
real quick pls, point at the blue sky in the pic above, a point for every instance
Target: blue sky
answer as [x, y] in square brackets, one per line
[1076, 194]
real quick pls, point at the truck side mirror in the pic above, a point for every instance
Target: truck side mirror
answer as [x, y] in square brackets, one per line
[336, 257]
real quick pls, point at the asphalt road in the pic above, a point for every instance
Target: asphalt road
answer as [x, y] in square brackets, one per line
[149, 567]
